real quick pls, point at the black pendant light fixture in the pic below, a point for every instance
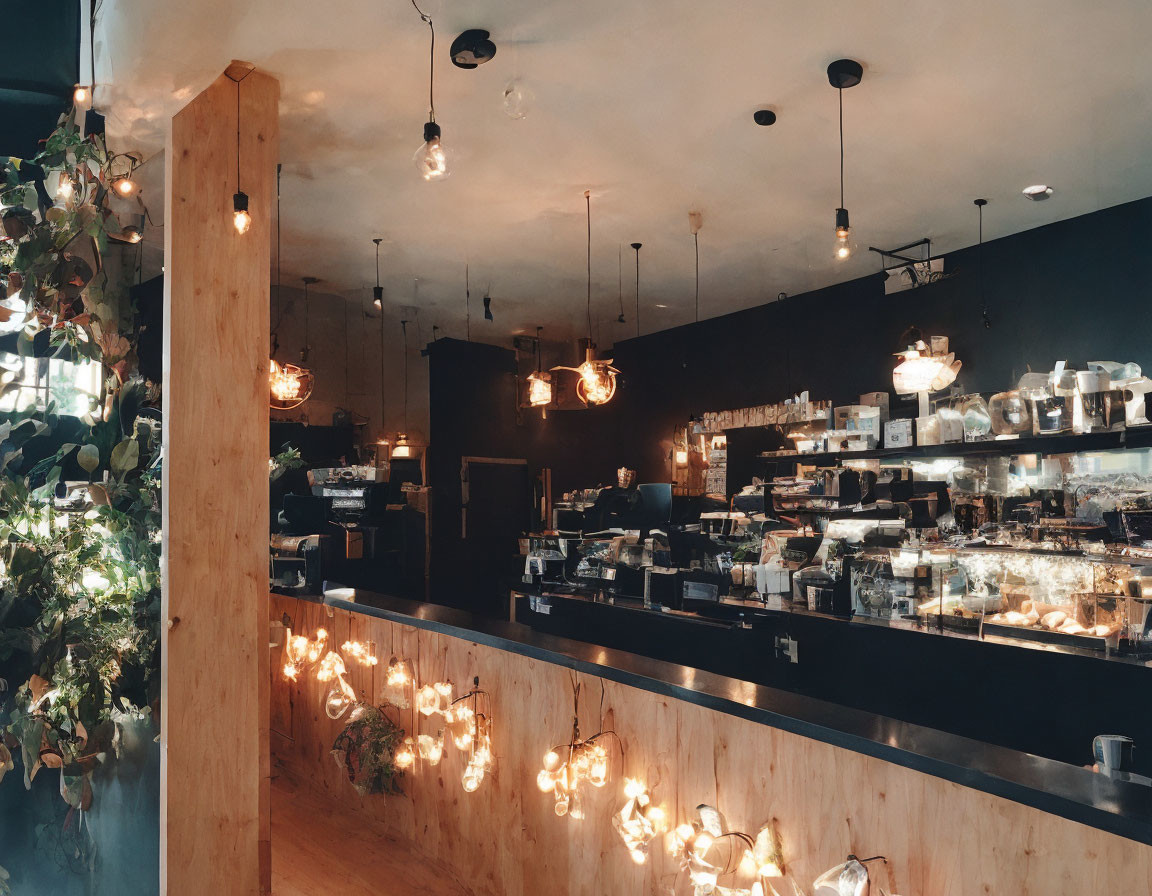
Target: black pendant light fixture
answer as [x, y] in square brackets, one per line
[842, 74]
[637, 247]
[431, 158]
[980, 203]
[241, 218]
[378, 290]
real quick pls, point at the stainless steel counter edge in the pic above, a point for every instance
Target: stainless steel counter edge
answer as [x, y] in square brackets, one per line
[1065, 790]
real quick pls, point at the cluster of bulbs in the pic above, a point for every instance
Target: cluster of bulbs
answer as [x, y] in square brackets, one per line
[639, 821]
[708, 852]
[302, 653]
[466, 720]
[584, 760]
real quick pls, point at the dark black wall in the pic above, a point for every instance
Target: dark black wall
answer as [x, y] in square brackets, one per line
[1075, 290]
[39, 67]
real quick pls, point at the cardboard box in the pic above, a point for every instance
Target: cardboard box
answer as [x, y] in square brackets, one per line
[898, 434]
[878, 400]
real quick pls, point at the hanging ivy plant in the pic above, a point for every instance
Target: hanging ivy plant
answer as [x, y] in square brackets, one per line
[79, 570]
[366, 749]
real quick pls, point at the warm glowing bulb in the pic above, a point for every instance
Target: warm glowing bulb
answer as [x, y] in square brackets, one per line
[289, 671]
[545, 781]
[471, 781]
[64, 189]
[125, 186]
[406, 756]
[539, 390]
[431, 159]
[551, 760]
[656, 816]
[681, 457]
[633, 788]
[638, 857]
[241, 220]
[80, 95]
[685, 832]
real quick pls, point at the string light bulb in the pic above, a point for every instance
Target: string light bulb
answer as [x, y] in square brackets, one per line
[80, 95]
[64, 189]
[360, 652]
[124, 185]
[406, 755]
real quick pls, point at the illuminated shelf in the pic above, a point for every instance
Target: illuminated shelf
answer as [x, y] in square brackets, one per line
[1134, 437]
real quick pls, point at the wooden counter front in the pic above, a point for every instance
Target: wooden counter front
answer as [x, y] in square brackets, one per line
[940, 838]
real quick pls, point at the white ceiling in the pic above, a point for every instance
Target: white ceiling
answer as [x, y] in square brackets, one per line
[649, 105]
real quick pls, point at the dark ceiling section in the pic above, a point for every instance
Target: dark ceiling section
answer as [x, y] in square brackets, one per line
[39, 67]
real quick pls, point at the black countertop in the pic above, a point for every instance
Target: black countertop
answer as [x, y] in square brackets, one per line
[1061, 789]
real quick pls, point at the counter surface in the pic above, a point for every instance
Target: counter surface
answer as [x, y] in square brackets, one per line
[1061, 789]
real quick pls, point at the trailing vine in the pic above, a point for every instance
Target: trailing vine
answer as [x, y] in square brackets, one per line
[79, 522]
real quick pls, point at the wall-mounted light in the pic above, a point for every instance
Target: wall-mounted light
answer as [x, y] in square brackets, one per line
[431, 159]
[469, 720]
[849, 879]
[639, 821]
[566, 768]
[842, 74]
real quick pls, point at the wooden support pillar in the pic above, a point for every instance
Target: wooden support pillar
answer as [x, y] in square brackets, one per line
[214, 835]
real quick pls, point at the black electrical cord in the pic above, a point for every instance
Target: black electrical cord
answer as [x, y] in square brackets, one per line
[404, 329]
[636, 246]
[840, 93]
[980, 203]
[431, 63]
[588, 217]
[696, 240]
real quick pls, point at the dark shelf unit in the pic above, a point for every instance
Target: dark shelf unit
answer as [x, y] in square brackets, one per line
[1133, 437]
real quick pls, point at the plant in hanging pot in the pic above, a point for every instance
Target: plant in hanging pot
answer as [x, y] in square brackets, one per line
[366, 750]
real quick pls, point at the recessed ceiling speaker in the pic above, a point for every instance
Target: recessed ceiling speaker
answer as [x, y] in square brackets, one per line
[472, 48]
[764, 117]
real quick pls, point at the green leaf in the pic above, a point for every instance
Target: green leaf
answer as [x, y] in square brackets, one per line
[125, 456]
[89, 458]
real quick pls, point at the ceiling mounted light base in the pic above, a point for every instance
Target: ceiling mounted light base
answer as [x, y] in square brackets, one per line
[472, 48]
[845, 73]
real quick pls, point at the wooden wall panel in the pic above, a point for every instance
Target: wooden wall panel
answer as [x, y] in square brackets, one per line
[941, 839]
[214, 716]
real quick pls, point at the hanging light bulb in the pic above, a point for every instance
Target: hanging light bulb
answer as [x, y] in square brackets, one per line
[539, 389]
[431, 159]
[843, 73]
[241, 219]
[124, 185]
[378, 290]
[539, 382]
[64, 189]
[80, 95]
[597, 382]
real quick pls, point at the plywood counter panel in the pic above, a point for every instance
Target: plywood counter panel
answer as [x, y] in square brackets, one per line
[940, 838]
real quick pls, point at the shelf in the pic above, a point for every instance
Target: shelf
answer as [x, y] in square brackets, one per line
[1056, 444]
